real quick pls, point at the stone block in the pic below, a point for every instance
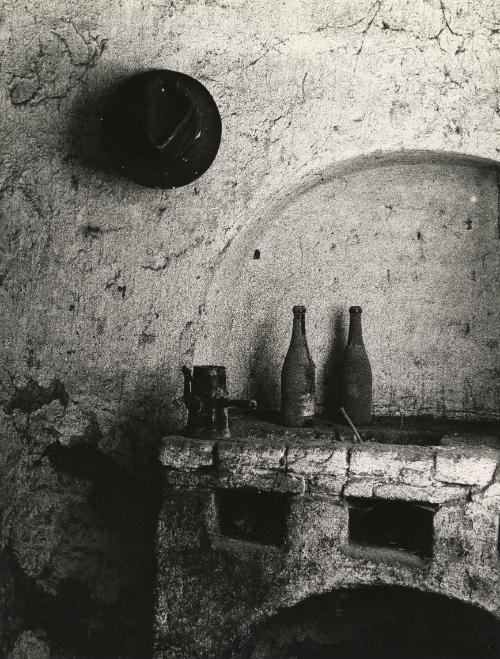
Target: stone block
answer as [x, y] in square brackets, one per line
[434, 495]
[251, 454]
[418, 471]
[262, 481]
[375, 460]
[188, 479]
[186, 453]
[359, 488]
[401, 492]
[388, 460]
[466, 466]
[315, 460]
[312, 519]
[325, 484]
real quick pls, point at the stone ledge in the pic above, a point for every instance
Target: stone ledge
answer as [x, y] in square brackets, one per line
[436, 494]
[266, 481]
[332, 461]
[179, 452]
[434, 474]
[466, 466]
[370, 459]
[254, 454]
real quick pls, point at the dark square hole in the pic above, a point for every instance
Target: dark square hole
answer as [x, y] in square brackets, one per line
[253, 516]
[400, 525]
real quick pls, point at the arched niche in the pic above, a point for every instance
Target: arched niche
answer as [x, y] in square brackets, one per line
[377, 622]
[412, 237]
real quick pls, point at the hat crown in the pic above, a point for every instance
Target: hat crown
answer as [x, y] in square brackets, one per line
[170, 119]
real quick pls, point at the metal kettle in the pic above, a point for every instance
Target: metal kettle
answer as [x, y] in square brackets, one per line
[207, 401]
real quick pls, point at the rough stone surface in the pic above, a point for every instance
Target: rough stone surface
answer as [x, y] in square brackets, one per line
[77, 538]
[329, 461]
[466, 467]
[185, 454]
[30, 645]
[221, 587]
[107, 288]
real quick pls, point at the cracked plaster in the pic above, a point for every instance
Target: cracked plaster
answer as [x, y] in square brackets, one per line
[375, 76]
[107, 286]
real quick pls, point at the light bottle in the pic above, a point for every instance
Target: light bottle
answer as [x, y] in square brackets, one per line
[298, 376]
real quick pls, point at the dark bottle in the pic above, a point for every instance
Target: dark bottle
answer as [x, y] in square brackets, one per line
[298, 376]
[356, 386]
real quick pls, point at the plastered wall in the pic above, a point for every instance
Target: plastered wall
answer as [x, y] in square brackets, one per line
[110, 288]
[411, 238]
[104, 283]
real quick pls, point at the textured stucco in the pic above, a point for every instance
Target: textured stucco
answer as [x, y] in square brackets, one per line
[414, 240]
[103, 283]
[107, 286]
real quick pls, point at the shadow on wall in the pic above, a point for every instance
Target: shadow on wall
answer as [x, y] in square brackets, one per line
[84, 132]
[259, 382]
[79, 512]
[378, 623]
[332, 378]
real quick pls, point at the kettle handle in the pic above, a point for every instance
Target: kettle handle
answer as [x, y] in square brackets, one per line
[188, 378]
[192, 402]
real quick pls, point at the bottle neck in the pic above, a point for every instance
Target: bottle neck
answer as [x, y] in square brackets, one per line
[299, 328]
[355, 331]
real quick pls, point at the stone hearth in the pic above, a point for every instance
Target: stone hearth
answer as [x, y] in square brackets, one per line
[261, 522]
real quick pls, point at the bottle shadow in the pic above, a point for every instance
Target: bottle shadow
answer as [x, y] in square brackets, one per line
[84, 132]
[332, 369]
[263, 381]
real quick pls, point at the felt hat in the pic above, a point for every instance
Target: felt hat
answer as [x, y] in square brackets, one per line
[162, 128]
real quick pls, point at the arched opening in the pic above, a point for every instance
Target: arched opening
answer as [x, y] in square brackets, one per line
[413, 239]
[378, 623]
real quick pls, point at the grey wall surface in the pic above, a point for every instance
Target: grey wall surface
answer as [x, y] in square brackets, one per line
[411, 238]
[109, 288]
[103, 282]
